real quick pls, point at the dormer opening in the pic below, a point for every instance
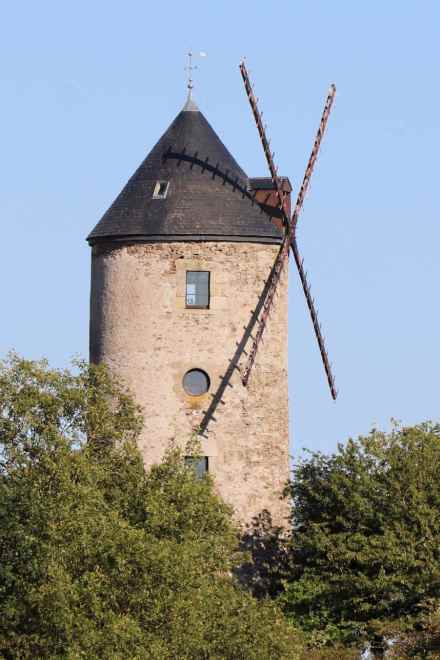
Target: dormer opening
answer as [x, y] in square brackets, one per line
[161, 189]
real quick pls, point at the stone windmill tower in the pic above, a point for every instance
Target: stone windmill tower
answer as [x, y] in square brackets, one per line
[182, 264]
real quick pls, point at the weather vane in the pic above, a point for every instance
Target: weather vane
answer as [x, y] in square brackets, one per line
[190, 68]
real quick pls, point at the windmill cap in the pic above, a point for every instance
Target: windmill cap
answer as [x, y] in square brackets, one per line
[207, 196]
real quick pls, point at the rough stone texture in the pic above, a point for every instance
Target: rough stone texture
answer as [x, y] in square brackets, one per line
[140, 327]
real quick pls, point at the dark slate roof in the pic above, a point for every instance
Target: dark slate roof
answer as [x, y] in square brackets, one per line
[266, 183]
[209, 196]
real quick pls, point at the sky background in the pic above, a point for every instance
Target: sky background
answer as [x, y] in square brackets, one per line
[89, 87]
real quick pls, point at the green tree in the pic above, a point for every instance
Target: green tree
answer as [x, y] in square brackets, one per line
[365, 551]
[423, 640]
[99, 559]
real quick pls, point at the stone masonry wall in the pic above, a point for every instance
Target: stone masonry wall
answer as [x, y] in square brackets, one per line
[139, 326]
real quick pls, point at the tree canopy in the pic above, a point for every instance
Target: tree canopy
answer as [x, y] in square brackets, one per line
[364, 553]
[101, 559]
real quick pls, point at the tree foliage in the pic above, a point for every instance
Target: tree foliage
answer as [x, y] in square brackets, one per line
[365, 543]
[100, 559]
[423, 640]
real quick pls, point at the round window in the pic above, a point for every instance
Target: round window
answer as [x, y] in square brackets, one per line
[196, 382]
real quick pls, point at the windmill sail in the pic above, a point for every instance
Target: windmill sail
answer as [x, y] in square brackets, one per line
[290, 233]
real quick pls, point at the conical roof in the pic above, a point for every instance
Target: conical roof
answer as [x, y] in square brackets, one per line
[208, 196]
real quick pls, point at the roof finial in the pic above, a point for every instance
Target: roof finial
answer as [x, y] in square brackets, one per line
[189, 69]
[190, 105]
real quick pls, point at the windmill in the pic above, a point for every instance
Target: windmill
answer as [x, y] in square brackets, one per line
[184, 332]
[289, 225]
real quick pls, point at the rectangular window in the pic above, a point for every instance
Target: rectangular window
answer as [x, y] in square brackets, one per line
[197, 289]
[197, 463]
[160, 190]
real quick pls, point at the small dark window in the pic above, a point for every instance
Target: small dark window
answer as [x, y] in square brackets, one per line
[197, 463]
[160, 190]
[196, 382]
[197, 289]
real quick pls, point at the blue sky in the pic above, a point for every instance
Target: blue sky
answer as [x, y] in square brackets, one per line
[88, 88]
